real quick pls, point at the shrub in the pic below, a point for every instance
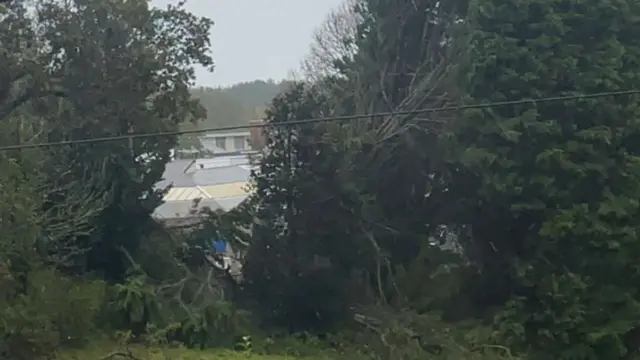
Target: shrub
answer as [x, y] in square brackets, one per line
[51, 311]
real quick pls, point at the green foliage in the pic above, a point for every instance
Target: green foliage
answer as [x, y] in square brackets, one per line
[552, 211]
[404, 236]
[352, 200]
[298, 345]
[188, 310]
[283, 266]
[135, 301]
[405, 334]
[257, 93]
[49, 310]
[218, 325]
[235, 105]
[234, 226]
[102, 349]
[124, 67]
[119, 67]
[20, 223]
[244, 344]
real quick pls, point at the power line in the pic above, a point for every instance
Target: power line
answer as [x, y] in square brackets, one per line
[222, 153]
[320, 119]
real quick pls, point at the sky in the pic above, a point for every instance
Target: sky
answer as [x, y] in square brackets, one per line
[257, 39]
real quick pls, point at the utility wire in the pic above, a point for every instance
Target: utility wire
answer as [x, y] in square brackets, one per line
[321, 119]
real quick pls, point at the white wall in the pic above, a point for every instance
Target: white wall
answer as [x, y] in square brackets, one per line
[227, 142]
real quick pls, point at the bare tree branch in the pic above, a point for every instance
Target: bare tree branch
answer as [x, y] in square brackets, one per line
[9, 107]
[76, 204]
[333, 41]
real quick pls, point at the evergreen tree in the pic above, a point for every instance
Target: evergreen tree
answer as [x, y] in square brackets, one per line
[295, 187]
[357, 193]
[554, 208]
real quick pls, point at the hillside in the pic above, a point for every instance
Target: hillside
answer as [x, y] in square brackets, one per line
[231, 106]
[238, 104]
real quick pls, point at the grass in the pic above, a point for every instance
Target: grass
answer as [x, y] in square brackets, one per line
[107, 350]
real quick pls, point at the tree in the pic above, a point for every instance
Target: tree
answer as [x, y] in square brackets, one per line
[126, 68]
[281, 267]
[26, 87]
[334, 42]
[354, 195]
[552, 187]
[257, 93]
[22, 78]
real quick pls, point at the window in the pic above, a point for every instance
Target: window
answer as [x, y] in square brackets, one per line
[239, 142]
[221, 143]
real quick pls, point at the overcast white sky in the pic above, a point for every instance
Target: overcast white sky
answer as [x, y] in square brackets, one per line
[257, 39]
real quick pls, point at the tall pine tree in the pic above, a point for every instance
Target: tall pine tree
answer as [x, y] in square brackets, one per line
[555, 215]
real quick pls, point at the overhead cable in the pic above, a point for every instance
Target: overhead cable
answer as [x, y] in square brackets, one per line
[353, 117]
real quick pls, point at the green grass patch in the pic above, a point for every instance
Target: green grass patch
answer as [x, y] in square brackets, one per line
[111, 351]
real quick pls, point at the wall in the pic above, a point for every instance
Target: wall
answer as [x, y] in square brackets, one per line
[231, 143]
[226, 142]
[258, 137]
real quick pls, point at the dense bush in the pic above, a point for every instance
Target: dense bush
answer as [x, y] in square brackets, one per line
[47, 311]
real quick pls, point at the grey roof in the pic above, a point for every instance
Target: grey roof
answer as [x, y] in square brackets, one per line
[221, 175]
[229, 203]
[220, 161]
[174, 174]
[183, 208]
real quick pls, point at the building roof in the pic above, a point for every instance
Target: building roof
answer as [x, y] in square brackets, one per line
[174, 174]
[218, 162]
[219, 184]
[183, 208]
[185, 193]
[187, 172]
[221, 175]
[229, 203]
[222, 191]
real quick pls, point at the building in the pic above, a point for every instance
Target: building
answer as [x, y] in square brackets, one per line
[217, 183]
[258, 139]
[227, 142]
[220, 181]
[219, 143]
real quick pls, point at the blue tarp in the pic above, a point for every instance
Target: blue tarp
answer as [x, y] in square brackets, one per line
[220, 246]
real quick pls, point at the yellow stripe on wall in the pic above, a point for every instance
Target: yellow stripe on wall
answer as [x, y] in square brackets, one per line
[226, 190]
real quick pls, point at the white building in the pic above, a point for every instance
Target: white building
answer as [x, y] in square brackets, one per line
[227, 141]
